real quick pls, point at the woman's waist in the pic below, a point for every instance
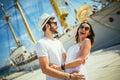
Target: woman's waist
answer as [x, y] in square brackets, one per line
[79, 69]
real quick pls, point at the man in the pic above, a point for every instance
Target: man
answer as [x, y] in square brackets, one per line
[50, 51]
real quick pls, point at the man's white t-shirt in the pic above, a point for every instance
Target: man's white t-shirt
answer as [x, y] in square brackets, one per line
[51, 48]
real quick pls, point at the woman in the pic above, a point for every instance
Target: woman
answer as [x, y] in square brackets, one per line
[78, 53]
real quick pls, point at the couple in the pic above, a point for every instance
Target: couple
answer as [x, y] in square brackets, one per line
[52, 55]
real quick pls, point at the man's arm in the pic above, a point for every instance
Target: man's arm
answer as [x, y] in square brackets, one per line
[46, 69]
[44, 63]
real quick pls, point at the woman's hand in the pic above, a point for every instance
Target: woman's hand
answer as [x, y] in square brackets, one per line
[64, 56]
[77, 76]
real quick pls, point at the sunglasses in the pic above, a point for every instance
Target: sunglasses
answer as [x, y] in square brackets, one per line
[53, 23]
[86, 28]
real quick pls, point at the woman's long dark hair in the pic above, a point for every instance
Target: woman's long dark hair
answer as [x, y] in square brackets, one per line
[91, 36]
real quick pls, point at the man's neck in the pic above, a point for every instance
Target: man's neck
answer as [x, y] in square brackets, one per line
[48, 35]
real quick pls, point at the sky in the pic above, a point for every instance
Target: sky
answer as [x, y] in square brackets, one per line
[32, 9]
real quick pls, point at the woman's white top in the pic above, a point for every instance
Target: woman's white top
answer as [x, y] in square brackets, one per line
[72, 54]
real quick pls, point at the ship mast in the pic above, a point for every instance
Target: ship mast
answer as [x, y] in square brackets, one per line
[10, 26]
[25, 22]
[61, 16]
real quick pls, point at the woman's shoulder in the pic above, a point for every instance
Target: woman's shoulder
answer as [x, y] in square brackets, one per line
[86, 43]
[86, 40]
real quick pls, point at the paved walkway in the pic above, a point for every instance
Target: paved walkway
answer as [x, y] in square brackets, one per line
[105, 65]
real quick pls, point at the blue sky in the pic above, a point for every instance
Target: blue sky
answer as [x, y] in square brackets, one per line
[32, 10]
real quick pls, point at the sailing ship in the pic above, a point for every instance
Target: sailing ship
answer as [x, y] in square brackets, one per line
[104, 21]
[18, 56]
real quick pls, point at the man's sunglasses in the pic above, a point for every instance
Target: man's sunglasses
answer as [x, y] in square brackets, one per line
[53, 23]
[86, 28]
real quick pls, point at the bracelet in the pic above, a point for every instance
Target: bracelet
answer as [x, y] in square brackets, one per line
[70, 76]
[63, 66]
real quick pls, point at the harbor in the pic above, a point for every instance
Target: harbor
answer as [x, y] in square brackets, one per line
[19, 32]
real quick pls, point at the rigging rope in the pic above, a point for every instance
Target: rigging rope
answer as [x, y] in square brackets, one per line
[17, 24]
[3, 26]
[8, 41]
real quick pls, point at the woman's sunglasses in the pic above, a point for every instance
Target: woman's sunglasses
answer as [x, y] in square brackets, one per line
[86, 28]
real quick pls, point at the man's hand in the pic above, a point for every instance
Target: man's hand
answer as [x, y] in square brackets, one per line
[77, 76]
[74, 76]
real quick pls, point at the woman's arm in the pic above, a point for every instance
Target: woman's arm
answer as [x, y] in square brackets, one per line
[84, 51]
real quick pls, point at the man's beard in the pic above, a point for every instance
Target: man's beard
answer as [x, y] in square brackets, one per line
[53, 30]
